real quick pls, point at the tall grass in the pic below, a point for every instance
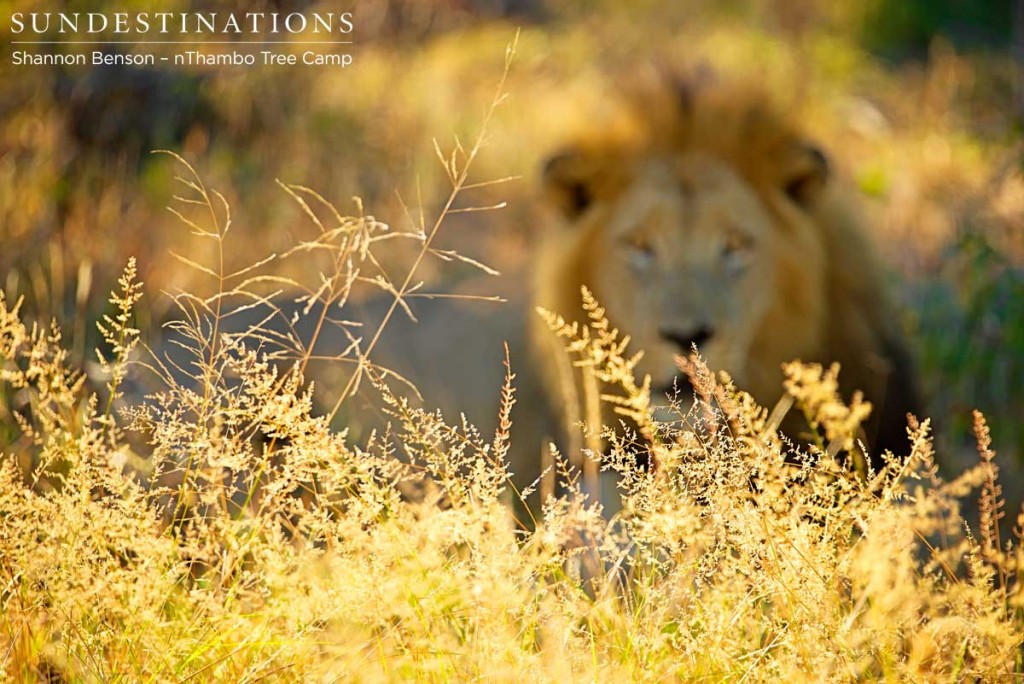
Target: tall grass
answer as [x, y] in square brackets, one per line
[221, 530]
[735, 556]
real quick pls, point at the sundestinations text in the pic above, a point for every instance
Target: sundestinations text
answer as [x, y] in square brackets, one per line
[182, 23]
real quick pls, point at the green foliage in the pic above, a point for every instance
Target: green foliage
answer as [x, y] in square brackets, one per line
[906, 28]
[972, 320]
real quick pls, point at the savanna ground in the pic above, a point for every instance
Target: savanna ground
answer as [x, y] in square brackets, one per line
[305, 554]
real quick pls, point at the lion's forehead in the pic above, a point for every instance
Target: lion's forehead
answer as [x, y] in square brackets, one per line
[693, 199]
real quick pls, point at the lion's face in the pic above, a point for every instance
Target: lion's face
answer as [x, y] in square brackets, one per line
[683, 248]
[704, 216]
[681, 258]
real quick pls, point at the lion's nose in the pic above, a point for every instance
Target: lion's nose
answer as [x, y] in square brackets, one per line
[685, 339]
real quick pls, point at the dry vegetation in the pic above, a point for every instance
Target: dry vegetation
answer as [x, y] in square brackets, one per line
[256, 542]
[219, 530]
[301, 555]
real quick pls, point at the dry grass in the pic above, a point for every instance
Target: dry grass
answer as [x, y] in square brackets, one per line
[219, 530]
[734, 557]
[255, 542]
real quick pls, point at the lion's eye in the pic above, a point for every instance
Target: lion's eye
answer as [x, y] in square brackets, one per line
[639, 251]
[737, 251]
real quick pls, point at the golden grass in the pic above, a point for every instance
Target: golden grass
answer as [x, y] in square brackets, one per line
[256, 542]
[734, 557]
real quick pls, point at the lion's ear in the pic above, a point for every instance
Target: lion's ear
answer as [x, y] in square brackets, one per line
[569, 178]
[806, 175]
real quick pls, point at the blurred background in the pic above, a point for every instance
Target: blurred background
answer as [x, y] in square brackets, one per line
[918, 102]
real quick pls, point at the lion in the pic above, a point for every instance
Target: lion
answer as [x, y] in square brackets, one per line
[702, 218]
[706, 219]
